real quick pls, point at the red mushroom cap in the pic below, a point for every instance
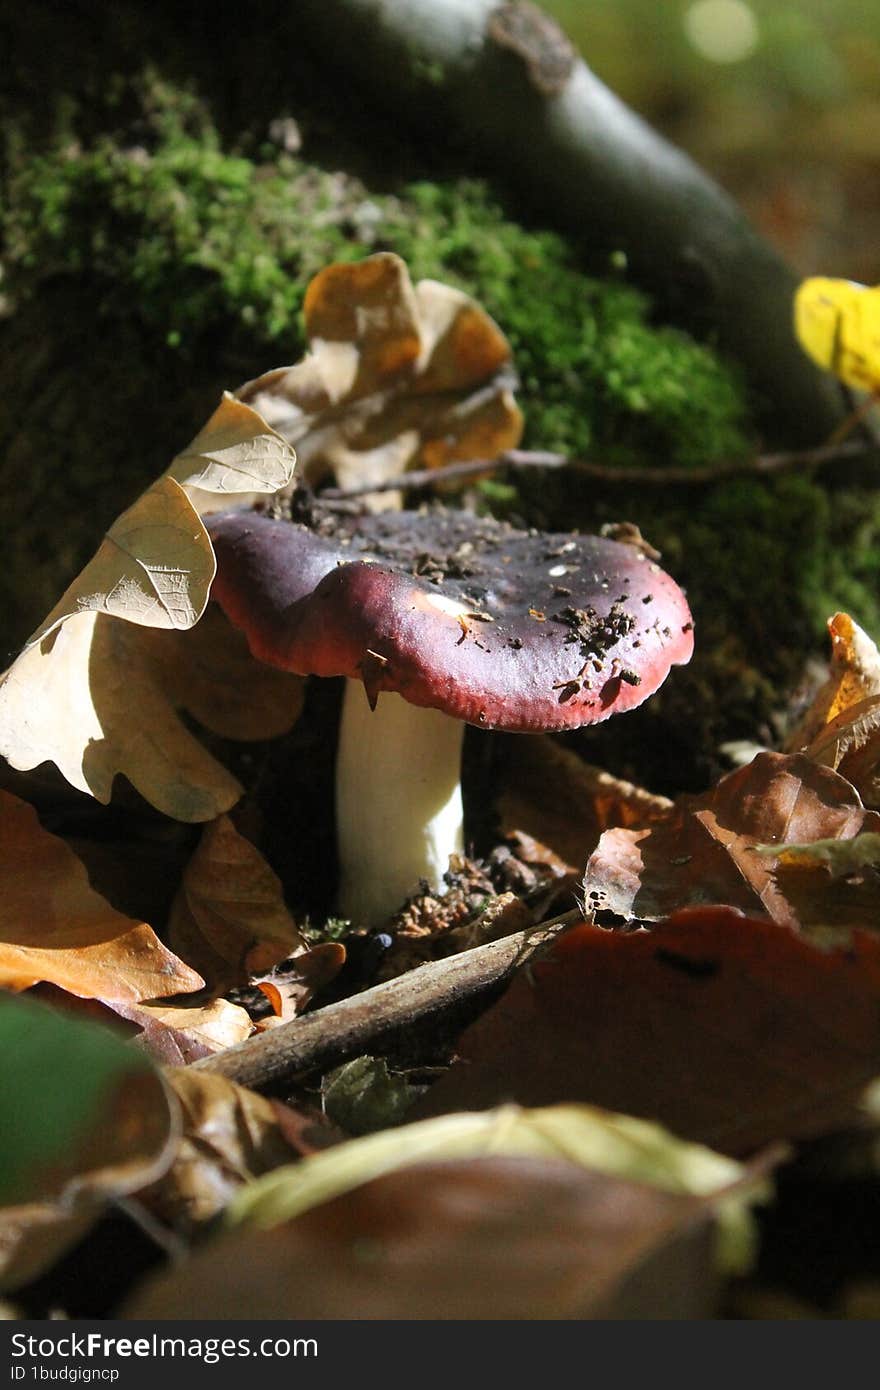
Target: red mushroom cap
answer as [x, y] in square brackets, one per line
[505, 629]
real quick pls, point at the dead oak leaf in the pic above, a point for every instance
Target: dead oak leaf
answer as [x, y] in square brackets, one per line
[731, 1031]
[54, 927]
[397, 376]
[88, 692]
[91, 699]
[704, 850]
[235, 453]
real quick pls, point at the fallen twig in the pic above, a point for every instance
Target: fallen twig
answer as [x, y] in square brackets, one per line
[608, 473]
[354, 1025]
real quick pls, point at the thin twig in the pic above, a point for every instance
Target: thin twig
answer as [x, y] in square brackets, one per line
[354, 1025]
[449, 472]
[608, 473]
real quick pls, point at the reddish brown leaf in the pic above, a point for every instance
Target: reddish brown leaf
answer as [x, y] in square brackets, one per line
[480, 1239]
[731, 1031]
[704, 851]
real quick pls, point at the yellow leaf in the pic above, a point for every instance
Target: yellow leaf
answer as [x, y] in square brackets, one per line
[838, 324]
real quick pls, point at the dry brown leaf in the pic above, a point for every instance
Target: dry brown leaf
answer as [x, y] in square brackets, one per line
[235, 454]
[549, 793]
[154, 566]
[484, 1238]
[178, 1034]
[54, 927]
[396, 377]
[90, 693]
[704, 851]
[731, 1031]
[90, 699]
[854, 676]
[850, 744]
[230, 1135]
[229, 916]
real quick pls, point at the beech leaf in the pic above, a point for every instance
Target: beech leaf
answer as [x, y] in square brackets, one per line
[731, 1031]
[54, 927]
[488, 1238]
[610, 1143]
[704, 851]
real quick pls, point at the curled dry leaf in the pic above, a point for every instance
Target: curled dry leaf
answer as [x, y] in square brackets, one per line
[87, 691]
[54, 927]
[853, 677]
[397, 376]
[235, 454]
[292, 985]
[851, 745]
[230, 1136]
[705, 850]
[550, 793]
[84, 1119]
[729, 1030]
[496, 1237]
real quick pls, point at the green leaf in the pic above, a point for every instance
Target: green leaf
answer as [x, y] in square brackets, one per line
[58, 1085]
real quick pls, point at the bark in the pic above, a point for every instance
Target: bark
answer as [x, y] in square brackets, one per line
[501, 81]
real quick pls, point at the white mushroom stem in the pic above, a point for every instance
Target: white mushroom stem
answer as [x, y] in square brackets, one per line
[398, 801]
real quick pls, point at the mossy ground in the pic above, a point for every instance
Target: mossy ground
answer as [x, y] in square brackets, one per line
[150, 266]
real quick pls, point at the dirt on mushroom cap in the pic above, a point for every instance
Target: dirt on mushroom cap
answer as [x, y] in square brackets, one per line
[507, 629]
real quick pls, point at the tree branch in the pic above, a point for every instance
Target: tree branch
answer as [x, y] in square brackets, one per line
[357, 1024]
[500, 83]
[603, 472]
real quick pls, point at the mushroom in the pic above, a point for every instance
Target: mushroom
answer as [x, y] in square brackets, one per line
[438, 620]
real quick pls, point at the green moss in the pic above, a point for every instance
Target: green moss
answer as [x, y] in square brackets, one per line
[198, 242]
[145, 269]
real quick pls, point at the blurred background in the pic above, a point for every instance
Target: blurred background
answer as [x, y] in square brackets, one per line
[779, 100]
